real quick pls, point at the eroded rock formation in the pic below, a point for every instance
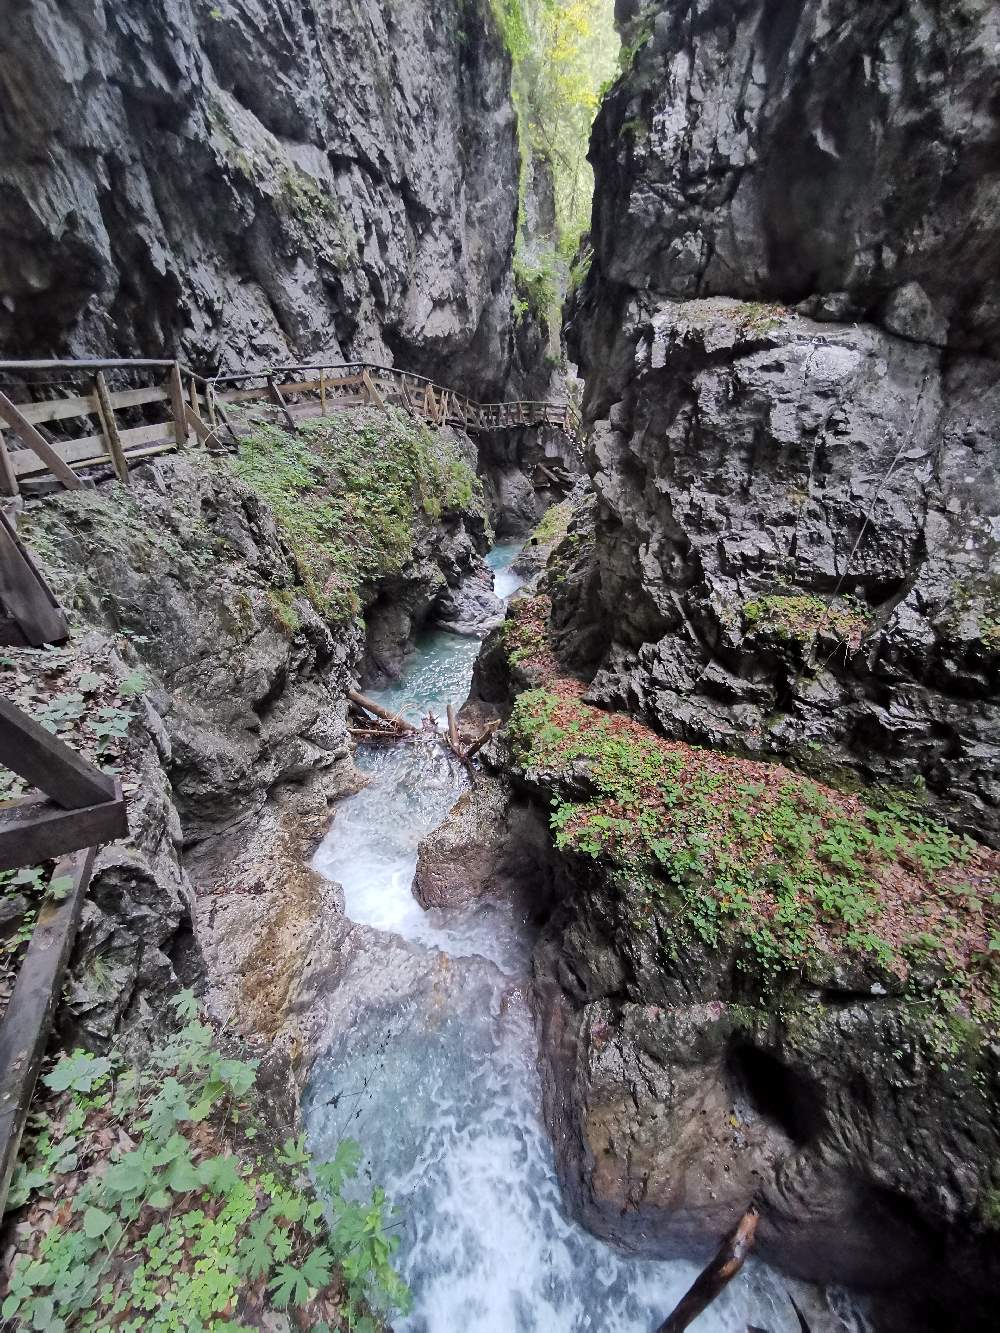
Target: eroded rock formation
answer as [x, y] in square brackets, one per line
[242, 743]
[246, 182]
[789, 333]
[797, 527]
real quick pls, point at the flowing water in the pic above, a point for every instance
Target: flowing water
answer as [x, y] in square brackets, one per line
[435, 1073]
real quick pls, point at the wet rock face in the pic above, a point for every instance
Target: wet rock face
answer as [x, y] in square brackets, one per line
[673, 1102]
[798, 514]
[524, 471]
[244, 743]
[248, 182]
[797, 535]
[492, 845]
[833, 151]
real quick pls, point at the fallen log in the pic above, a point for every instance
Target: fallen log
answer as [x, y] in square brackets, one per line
[476, 746]
[370, 706]
[716, 1275]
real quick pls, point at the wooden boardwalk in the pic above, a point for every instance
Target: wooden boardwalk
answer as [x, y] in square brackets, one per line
[178, 407]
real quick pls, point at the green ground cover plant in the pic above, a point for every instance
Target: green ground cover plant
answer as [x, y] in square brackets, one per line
[156, 1203]
[788, 870]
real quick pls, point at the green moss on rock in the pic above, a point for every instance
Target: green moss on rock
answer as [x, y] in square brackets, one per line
[794, 876]
[350, 494]
[802, 616]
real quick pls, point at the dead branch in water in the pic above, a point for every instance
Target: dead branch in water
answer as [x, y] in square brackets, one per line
[453, 740]
[476, 746]
[399, 724]
[719, 1272]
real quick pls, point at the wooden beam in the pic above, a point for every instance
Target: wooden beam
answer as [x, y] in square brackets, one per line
[221, 409]
[275, 395]
[48, 763]
[720, 1271]
[373, 394]
[90, 449]
[112, 438]
[35, 442]
[8, 477]
[27, 600]
[204, 432]
[322, 393]
[175, 387]
[34, 829]
[28, 1019]
[58, 409]
[120, 364]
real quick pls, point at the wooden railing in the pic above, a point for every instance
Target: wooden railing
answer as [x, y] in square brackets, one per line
[81, 809]
[185, 406]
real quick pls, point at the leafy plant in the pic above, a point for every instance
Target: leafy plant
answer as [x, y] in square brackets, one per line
[177, 1228]
[787, 870]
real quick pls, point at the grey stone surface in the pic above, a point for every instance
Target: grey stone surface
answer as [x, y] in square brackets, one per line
[834, 158]
[241, 751]
[247, 182]
[757, 456]
[773, 150]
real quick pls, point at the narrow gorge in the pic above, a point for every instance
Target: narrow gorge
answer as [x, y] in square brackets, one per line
[549, 659]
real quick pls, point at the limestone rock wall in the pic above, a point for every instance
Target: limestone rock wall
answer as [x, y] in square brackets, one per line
[789, 333]
[240, 750]
[241, 182]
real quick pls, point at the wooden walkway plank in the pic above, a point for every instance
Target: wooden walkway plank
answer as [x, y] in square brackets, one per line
[28, 1020]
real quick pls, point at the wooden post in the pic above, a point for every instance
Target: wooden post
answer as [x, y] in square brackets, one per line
[195, 407]
[322, 392]
[8, 480]
[210, 401]
[428, 402]
[175, 388]
[36, 442]
[109, 427]
[373, 394]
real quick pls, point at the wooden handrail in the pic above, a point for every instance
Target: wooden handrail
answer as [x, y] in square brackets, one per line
[85, 809]
[342, 385]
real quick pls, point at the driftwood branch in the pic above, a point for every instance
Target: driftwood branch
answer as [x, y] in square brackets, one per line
[453, 740]
[477, 745]
[398, 723]
[731, 1257]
